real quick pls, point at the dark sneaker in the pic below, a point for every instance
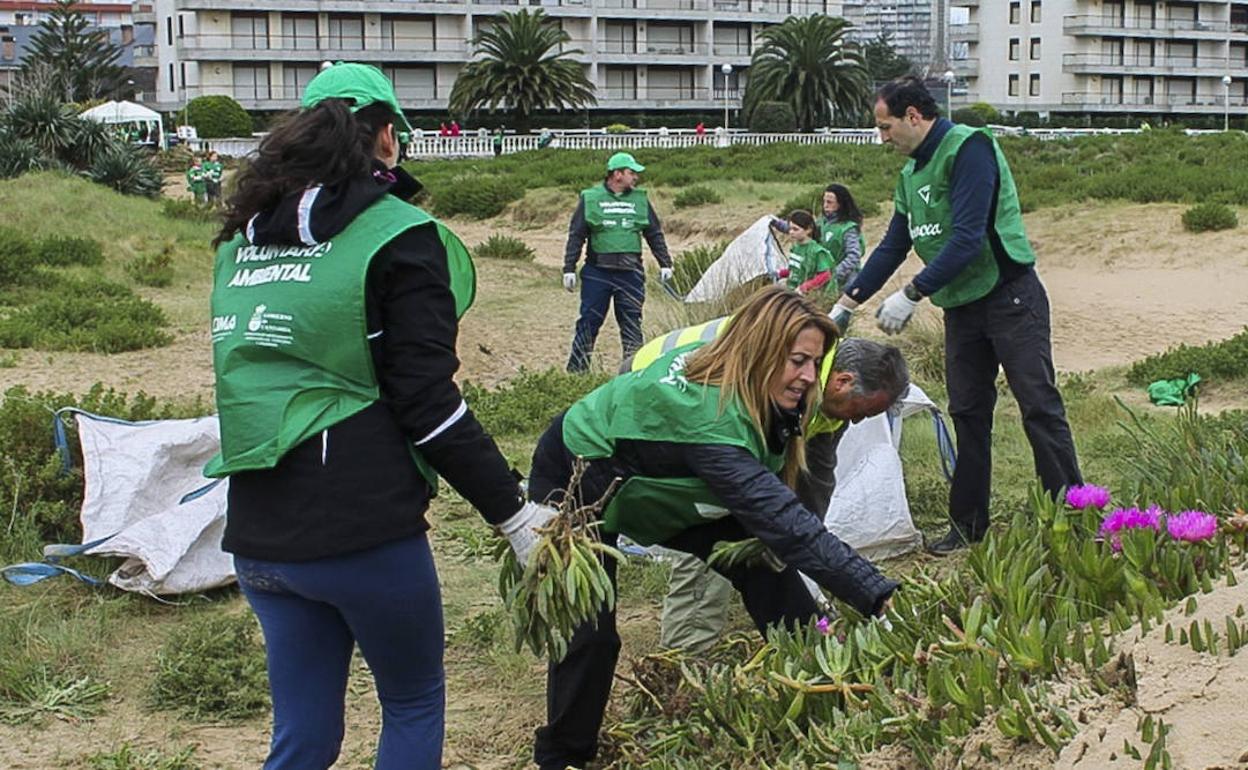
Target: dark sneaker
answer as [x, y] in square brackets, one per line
[953, 541]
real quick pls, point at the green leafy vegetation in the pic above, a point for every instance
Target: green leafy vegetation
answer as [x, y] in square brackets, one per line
[154, 269]
[1225, 359]
[697, 195]
[129, 758]
[58, 251]
[217, 117]
[501, 246]
[190, 210]
[528, 402]
[212, 668]
[690, 264]
[477, 196]
[1209, 216]
[86, 315]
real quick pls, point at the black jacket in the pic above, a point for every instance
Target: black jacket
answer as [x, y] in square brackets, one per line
[355, 486]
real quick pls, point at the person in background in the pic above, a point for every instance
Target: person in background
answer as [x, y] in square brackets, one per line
[957, 206]
[842, 233]
[213, 172]
[810, 265]
[455, 130]
[336, 307]
[498, 141]
[613, 218]
[197, 180]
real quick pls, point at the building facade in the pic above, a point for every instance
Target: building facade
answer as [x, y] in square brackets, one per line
[647, 55]
[1104, 56]
[912, 26]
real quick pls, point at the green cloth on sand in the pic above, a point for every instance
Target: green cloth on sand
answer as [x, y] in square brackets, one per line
[1173, 392]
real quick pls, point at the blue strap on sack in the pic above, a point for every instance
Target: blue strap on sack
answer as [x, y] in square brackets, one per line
[29, 573]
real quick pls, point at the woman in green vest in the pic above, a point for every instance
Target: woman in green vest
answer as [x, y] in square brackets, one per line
[842, 234]
[698, 438]
[335, 310]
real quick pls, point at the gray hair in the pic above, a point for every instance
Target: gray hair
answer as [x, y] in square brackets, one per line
[876, 367]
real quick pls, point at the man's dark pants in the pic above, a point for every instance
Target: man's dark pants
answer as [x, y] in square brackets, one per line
[578, 687]
[625, 290]
[1009, 328]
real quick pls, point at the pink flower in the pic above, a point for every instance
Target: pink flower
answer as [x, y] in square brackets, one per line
[1129, 518]
[823, 625]
[1087, 496]
[1192, 526]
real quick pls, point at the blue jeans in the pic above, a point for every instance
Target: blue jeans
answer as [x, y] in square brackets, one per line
[626, 291]
[385, 599]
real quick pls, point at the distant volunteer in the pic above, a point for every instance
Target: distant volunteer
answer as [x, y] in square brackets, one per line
[335, 308]
[842, 233]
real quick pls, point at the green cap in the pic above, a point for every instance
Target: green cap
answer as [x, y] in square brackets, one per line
[360, 83]
[624, 160]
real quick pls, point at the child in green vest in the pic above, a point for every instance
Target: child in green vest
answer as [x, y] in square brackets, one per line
[212, 177]
[810, 265]
[197, 180]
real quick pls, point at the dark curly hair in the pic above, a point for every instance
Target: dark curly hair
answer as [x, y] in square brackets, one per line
[321, 145]
[847, 210]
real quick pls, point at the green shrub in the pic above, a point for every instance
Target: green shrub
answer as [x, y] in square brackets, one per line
[978, 114]
[127, 170]
[86, 315]
[773, 118]
[475, 196]
[1226, 359]
[190, 210]
[690, 264]
[217, 117]
[698, 195]
[58, 251]
[17, 257]
[1209, 216]
[155, 269]
[811, 200]
[211, 668]
[17, 156]
[617, 128]
[500, 246]
[528, 402]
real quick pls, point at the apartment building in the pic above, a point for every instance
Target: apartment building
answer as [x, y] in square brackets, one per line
[100, 13]
[912, 26]
[642, 54]
[1146, 57]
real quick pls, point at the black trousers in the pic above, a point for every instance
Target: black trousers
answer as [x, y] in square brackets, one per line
[578, 687]
[1009, 329]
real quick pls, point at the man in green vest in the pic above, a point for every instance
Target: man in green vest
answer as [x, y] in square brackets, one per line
[956, 205]
[613, 217]
[860, 378]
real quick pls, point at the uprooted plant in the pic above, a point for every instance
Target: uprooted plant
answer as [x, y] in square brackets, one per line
[564, 584]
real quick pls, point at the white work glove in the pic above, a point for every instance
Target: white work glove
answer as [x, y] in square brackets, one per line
[665, 274]
[841, 313]
[569, 281]
[895, 312]
[521, 529]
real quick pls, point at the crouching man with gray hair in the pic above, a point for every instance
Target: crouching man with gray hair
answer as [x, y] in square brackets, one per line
[860, 378]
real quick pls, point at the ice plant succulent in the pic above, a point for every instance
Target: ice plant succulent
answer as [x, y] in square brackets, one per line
[823, 625]
[1129, 518]
[1087, 496]
[1192, 526]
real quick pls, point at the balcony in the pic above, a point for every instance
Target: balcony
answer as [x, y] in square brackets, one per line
[963, 32]
[1115, 26]
[667, 97]
[248, 48]
[1206, 103]
[1114, 64]
[145, 56]
[965, 68]
[964, 3]
[286, 97]
[731, 50]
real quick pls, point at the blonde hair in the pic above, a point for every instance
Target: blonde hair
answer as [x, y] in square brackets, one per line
[744, 359]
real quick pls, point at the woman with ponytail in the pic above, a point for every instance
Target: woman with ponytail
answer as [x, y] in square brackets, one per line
[335, 311]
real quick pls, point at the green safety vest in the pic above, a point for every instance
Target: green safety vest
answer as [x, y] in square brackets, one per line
[923, 197]
[195, 179]
[806, 260]
[657, 403]
[834, 239]
[616, 222]
[212, 171]
[290, 343]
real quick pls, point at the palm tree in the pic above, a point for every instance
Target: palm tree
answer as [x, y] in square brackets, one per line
[522, 69]
[809, 64]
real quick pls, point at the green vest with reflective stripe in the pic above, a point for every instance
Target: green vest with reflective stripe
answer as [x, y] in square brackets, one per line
[834, 239]
[806, 260]
[290, 338]
[657, 403]
[616, 222]
[922, 196]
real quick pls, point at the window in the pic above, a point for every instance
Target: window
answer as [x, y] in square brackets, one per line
[181, 26]
[1239, 18]
[620, 37]
[299, 32]
[413, 83]
[1013, 85]
[670, 83]
[169, 34]
[1035, 11]
[250, 31]
[1035, 49]
[621, 82]
[411, 33]
[1033, 86]
[169, 76]
[251, 81]
[732, 39]
[346, 33]
[731, 83]
[182, 74]
[669, 38]
[1015, 14]
[295, 79]
[1013, 49]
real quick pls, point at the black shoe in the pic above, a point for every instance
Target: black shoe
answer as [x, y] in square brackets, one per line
[953, 541]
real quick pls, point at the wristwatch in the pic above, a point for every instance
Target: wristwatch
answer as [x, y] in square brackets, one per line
[912, 293]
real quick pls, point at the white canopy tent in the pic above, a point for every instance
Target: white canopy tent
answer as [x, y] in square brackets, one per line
[127, 114]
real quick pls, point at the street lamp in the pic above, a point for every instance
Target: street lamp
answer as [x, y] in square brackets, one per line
[727, 70]
[1226, 102]
[948, 78]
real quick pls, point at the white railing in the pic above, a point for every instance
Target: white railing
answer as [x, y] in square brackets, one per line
[478, 146]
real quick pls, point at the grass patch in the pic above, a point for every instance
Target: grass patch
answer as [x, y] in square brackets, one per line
[1204, 217]
[126, 757]
[698, 195]
[528, 402]
[154, 269]
[90, 315]
[1225, 359]
[58, 251]
[190, 210]
[500, 246]
[212, 668]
